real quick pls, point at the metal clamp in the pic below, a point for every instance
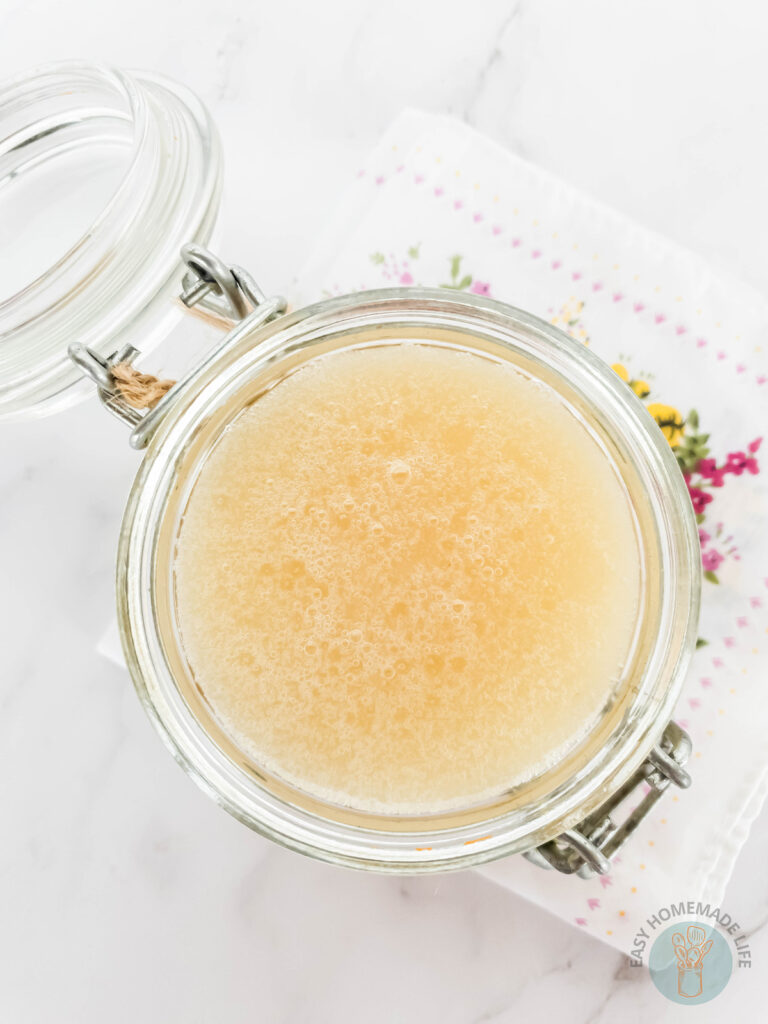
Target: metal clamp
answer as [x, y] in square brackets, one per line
[99, 369]
[227, 291]
[587, 849]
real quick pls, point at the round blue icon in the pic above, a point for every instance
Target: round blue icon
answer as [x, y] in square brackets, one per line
[690, 963]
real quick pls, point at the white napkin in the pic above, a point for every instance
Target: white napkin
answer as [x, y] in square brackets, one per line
[438, 204]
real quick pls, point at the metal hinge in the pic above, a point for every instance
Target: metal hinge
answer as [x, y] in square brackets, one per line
[226, 290]
[587, 849]
[229, 292]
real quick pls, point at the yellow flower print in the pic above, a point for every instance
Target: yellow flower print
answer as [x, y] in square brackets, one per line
[670, 421]
[641, 387]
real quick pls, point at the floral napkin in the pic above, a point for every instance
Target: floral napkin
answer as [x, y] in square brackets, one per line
[438, 204]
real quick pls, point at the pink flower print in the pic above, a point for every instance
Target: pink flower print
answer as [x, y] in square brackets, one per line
[699, 498]
[712, 560]
[737, 462]
[704, 538]
[717, 477]
[480, 288]
[709, 469]
[754, 446]
[406, 278]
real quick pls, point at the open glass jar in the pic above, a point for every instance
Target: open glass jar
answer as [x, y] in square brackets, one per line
[562, 816]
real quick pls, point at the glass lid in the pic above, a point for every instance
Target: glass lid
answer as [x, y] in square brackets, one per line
[104, 175]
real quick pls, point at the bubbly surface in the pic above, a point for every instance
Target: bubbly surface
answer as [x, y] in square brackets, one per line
[406, 578]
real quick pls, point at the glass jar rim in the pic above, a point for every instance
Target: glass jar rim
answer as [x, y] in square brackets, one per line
[426, 844]
[112, 286]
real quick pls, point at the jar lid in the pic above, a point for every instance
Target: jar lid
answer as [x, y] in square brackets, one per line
[104, 175]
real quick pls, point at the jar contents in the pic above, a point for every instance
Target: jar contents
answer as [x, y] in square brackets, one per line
[407, 578]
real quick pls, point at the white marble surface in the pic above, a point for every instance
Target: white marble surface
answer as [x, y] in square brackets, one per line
[125, 894]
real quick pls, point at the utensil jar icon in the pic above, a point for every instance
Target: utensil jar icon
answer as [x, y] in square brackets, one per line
[689, 983]
[690, 959]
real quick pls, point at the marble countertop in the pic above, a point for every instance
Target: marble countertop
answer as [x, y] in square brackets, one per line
[125, 894]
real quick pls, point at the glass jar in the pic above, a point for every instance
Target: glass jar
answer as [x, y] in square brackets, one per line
[563, 816]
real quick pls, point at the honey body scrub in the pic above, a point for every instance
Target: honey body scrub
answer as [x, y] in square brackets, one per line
[407, 578]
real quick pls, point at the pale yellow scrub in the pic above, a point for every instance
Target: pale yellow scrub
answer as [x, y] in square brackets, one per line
[407, 578]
